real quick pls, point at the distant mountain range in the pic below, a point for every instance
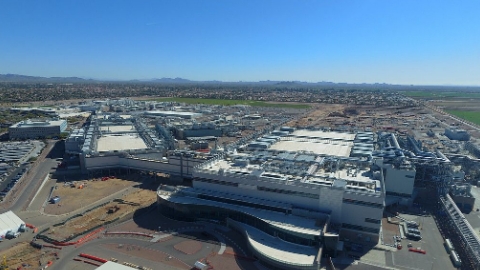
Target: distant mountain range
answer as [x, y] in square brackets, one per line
[16, 78]
[26, 79]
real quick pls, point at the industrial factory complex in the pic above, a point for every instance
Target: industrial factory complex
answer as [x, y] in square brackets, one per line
[293, 193]
[296, 194]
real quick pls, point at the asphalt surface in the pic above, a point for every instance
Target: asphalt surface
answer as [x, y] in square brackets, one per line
[24, 191]
[21, 195]
[432, 242]
[95, 248]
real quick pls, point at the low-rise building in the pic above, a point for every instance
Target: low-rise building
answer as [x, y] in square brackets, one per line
[32, 129]
[457, 134]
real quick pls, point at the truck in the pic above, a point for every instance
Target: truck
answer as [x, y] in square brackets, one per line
[55, 200]
[22, 228]
[11, 234]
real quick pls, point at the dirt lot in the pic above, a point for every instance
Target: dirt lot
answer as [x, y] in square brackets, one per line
[128, 204]
[73, 198]
[28, 257]
[316, 116]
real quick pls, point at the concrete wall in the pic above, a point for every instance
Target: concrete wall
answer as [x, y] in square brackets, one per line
[399, 181]
[252, 191]
[180, 166]
[358, 213]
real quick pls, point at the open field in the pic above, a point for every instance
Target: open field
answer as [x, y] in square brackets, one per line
[230, 102]
[472, 116]
[441, 94]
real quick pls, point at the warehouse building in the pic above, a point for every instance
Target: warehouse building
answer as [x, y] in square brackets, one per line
[457, 134]
[186, 115]
[34, 129]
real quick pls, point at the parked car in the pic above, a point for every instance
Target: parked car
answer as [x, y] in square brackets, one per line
[414, 236]
[416, 231]
[55, 200]
[412, 225]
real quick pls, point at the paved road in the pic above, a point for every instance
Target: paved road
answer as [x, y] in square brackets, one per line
[94, 248]
[22, 194]
[24, 191]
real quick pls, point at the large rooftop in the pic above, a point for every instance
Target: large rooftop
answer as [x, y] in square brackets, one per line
[315, 171]
[313, 141]
[37, 123]
[119, 142]
[118, 128]
[173, 113]
[316, 146]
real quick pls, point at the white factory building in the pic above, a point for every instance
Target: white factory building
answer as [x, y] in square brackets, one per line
[293, 194]
[186, 115]
[32, 129]
[113, 143]
[288, 203]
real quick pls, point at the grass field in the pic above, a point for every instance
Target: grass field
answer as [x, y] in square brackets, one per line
[472, 116]
[229, 102]
[441, 94]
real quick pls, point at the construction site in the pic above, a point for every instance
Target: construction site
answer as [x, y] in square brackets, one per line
[106, 213]
[80, 194]
[25, 256]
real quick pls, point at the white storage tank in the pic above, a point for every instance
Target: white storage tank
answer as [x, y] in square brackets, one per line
[455, 259]
[448, 245]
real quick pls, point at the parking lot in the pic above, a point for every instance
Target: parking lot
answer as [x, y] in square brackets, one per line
[436, 256]
[388, 256]
[14, 157]
[8, 182]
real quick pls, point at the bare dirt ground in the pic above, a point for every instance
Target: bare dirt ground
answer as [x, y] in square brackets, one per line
[73, 198]
[24, 255]
[129, 203]
[389, 231]
[319, 113]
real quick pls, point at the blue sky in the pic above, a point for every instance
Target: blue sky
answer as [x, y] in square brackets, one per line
[402, 41]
